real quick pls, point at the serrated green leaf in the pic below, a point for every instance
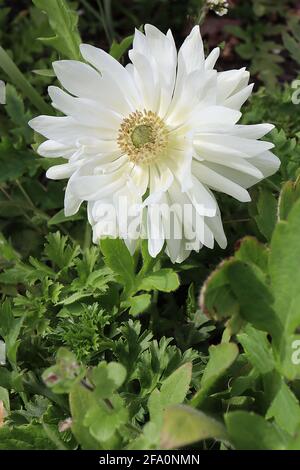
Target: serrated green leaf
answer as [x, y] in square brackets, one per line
[221, 357]
[63, 21]
[25, 437]
[9, 329]
[175, 387]
[104, 419]
[60, 251]
[119, 260]
[107, 378]
[165, 280]
[138, 304]
[257, 349]
[15, 163]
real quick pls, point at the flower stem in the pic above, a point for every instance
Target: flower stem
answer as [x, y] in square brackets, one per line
[273, 185]
[16, 77]
[87, 236]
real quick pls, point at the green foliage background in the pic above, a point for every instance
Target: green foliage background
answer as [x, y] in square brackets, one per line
[109, 351]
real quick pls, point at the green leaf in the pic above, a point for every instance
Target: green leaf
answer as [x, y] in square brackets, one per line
[173, 392]
[221, 357]
[267, 212]
[2, 355]
[285, 409]
[104, 419]
[60, 251]
[118, 49]
[25, 437]
[138, 304]
[4, 397]
[16, 111]
[216, 297]
[7, 252]
[44, 72]
[255, 298]
[165, 280]
[119, 260]
[15, 163]
[60, 218]
[21, 82]
[292, 46]
[249, 431]
[9, 329]
[63, 21]
[251, 251]
[148, 261]
[285, 281]
[257, 348]
[290, 193]
[184, 426]
[174, 389]
[107, 378]
[81, 400]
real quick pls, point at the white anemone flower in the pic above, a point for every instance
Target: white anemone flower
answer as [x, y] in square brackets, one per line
[2, 93]
[161, 134]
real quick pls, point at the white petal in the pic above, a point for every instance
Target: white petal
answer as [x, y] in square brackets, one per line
[145, 81]
[216, 114]
[231, 161]
[218, 182]
[105, 62]
[139, 179]
[71, 202]
[215, 225]
[229, 82]
[75, 76]
[88, 112]
[212, 58]
[155, 231]
[202, 199]
[83, 81]
[238, 99]
[162, 49]
[191, 53]
[254, 131]
[159, 182]
[240, 178]
[53, 149]
[216, 143]
[58, 172]
[90, 187]
[267, 163]
[67, 130]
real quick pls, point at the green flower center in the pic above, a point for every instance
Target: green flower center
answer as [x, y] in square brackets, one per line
[142, 135]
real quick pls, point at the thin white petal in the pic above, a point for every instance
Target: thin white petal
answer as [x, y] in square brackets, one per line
[218, 182]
